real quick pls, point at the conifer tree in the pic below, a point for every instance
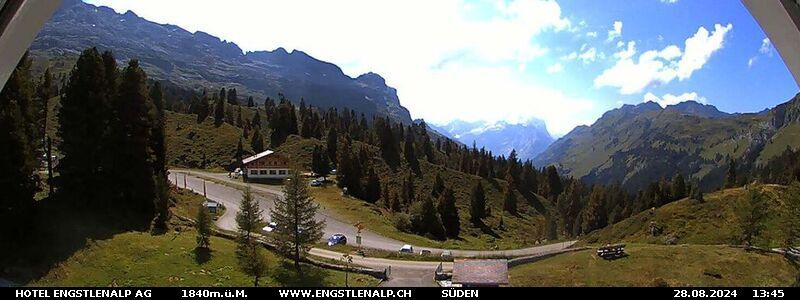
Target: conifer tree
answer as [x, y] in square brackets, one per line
[219, 111]
[17, 161]
[372, 191]
[477, 203]
[131, 139]
[332, 143]
[295, 213]
[233, 98]
[424, 219]
[248, 252]
[257, 142]
[510, 200]
[751, 215]
[408, 152]
[203, 227]
[449, 213]
[83, 121]
[250, 102]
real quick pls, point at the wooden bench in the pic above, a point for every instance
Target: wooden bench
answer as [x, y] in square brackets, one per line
[611, 251]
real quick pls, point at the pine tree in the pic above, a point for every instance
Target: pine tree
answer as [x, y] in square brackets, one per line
[17, 161]
[408, 152]
[449, 213]
[202, 108]
[510, 200]
[424, 219]
[319, 161]
[250, 102]
[129, 159]
[298, 230]
[751, 215]
[438, 186]
[219, 111]
[158, 146]
[239, 119]
[332, 143]
[372, 191]
[248, 253]
[257, 142]
[730, 179]
[203, 227]
[477, 203]
[233, 99]
[239, 154]
[256, 122]
[83, 121]
[553, 182]
[678, 187]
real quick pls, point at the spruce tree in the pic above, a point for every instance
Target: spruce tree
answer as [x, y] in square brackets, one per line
[131, 139]
[201, 108]
[751, 215]
[730, 179]
[332, 143]
[203, 227]
[408, 152]
[250, 102]
[219, 111]
[233, 98]
[17, 161]
[449, 213]
[257, 142]
[298, 229]
[158, 146]
[510, 200]
[424, 219]
[372, 191]
[477, 203]
[248, 252]
[83, 121]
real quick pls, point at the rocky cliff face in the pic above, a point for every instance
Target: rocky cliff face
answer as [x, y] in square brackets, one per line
[199, 60]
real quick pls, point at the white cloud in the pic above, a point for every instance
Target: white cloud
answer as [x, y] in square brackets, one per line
[616, 32]
[431, 51]
[670, 99]
[555, 68]
[669, 1]
[766, 47]
[632, 74]
[752, 61]
[591, 34]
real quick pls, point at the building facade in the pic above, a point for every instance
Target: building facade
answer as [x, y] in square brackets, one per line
[266, 165]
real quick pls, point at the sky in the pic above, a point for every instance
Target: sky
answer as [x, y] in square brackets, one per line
[564, 62]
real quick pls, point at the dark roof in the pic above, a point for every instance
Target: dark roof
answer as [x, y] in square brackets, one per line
[481, 272]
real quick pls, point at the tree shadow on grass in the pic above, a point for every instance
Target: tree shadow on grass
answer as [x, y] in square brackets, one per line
[309, 276]
[202, 255]
[486, 229]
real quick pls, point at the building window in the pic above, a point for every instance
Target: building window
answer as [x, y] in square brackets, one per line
[282, 172]
[263, 172]
[253, 172]
[272, 172]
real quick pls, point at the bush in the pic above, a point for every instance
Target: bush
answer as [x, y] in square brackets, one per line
[402, 222]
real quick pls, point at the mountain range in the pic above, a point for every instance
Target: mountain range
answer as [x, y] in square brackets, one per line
[636, 145]
[528, 139]
[199, 60]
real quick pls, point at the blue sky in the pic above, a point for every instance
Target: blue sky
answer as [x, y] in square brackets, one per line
[565, 62]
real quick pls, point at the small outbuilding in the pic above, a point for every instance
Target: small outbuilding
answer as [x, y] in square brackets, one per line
[480, 272]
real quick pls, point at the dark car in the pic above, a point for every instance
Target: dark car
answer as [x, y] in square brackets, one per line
[337, 239]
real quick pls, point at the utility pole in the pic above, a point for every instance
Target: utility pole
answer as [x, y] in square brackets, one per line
[204, 189]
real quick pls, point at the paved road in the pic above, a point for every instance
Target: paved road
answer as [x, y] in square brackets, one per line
[404, 273]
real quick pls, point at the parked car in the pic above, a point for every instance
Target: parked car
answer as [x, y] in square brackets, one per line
[447, 254]
[270, 227]
[316, 183]
[406, 249]
[425, 252]
[337, 239]
[334, 171]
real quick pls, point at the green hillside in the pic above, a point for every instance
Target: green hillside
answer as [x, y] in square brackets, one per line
[711, 222]
[516, 231]
[659, 265]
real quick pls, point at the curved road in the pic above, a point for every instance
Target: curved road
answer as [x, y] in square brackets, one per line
[404, 273]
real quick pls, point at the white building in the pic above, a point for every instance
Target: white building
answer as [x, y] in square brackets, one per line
[266, 165]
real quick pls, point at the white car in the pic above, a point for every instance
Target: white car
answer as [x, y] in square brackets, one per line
[406, 249]
[270, 227]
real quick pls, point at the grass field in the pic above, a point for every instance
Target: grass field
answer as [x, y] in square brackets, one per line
[659, 265]
[142, 259]
[708, 223]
